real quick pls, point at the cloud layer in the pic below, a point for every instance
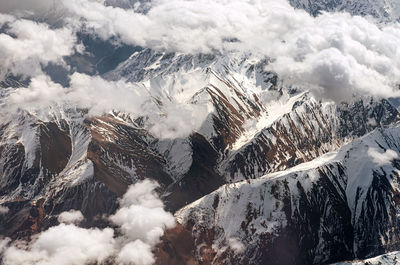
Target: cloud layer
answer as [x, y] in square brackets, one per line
[173, 119]
[16, 6]
[141, 221]
[26, 46]
[334, 55]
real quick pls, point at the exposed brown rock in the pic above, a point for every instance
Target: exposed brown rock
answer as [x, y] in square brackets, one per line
[176, 248]
[116, 146]
[56, 147]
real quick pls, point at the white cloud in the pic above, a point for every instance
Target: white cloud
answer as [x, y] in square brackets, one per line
[136, 253]
[174, 119]
[26, 46]
[384, 158]
[141, 219]
[338, 55]
[178, 120]
[63, 245]
[100, 95]
[3, 244]
[3, 210]
[41, 92]
[142, 216]
[94, 93]
[335, 55]
[71, 217]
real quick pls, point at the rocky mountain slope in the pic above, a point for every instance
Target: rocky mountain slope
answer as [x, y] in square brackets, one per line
[314, 213]
[390, 258]
[240, 162]
[383, 10]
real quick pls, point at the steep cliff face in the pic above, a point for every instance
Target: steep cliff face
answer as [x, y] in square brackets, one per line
[316, 213]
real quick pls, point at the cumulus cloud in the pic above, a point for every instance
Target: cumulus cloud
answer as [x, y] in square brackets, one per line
[71, 217]
[64, 245]
[41, 92]
[338, 55]
[92, 92]
[26, 46]
[3, 244]
[142, 216]
[137, 5]
[335, 55]
[100, 95]
[178, 120]
[174, 119]
[136, 253]
[141, 220]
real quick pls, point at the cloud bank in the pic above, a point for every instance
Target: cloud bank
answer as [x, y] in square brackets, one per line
[334, 55]
[141, 221]
[173, 119]
[26, 46]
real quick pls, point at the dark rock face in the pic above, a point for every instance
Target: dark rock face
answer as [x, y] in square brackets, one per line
[306, 133]
[307, 216]
[201, 178]
[51, 149]
[116, 147]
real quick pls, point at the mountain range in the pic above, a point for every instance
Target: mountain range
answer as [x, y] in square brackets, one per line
[254, 171]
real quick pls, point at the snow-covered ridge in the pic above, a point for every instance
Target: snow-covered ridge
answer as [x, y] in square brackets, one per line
[383, 10]
[386, 259]
[329, 196]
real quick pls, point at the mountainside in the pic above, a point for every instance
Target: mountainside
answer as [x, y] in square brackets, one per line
[390, 258]
[383, 10]
[342, 205]
[198, 132]
[319, 211]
